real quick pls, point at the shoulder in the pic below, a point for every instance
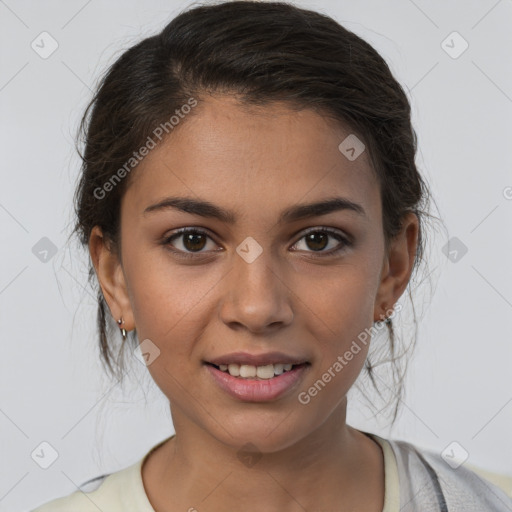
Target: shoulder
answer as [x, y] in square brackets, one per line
[504, 482]
[424, 474]
[80, 500]
[113, 492]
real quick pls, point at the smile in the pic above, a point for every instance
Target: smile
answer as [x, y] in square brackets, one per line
[257, 383]
[249, 371]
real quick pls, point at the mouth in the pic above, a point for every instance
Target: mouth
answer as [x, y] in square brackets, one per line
[253, 372]
[251, 383]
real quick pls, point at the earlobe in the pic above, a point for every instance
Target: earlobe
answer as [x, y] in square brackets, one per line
[111, 277]
[397, 267]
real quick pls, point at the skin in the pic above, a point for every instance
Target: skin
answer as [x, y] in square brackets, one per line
[294, 298]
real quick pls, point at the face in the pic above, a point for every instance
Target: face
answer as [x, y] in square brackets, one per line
[252, 285]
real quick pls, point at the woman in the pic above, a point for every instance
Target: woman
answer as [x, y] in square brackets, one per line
[253, 213]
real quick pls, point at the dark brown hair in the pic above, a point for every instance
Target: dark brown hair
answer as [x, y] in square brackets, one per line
[260, 52]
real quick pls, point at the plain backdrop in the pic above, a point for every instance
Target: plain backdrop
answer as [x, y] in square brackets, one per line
[53, 389]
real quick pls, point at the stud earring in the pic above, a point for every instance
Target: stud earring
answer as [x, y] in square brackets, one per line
[123, 330]
[386, 319]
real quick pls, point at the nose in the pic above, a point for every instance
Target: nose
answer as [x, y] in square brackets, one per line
[256, 296]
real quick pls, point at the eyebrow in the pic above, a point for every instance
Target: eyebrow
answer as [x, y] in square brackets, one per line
[291, 214]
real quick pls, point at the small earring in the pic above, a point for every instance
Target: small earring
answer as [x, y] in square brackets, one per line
[123, 330]
[387, 320]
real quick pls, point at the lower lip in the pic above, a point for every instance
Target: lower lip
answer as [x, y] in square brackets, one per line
[251, 390]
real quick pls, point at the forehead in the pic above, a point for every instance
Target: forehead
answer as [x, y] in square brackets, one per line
[254, 160]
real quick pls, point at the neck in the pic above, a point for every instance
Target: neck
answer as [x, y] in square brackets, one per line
[331, 468]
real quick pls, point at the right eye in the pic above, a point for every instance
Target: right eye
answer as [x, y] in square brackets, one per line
[191, 240]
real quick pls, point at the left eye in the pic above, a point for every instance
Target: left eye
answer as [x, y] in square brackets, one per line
[318, 240]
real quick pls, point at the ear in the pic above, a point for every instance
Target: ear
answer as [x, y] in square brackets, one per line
[111, 278]
[397, 266]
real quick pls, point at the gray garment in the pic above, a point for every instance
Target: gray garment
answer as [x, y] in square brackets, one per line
[428, 484]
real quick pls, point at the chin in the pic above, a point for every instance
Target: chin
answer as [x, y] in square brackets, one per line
[260, 435]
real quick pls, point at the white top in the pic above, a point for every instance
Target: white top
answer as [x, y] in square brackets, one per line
[124, 491]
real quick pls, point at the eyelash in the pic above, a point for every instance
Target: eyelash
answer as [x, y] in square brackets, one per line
[346, 243]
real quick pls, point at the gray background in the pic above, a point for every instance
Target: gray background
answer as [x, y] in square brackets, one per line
[52, 386]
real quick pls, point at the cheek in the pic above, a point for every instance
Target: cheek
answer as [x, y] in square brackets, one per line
[339, 314]
[343, 301]
[168, 307]
[161, 292]
[171, 305]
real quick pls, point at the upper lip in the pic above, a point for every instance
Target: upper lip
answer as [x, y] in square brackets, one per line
[257, 359]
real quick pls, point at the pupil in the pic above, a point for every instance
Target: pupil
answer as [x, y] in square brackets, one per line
[191, 239]
[313, 236]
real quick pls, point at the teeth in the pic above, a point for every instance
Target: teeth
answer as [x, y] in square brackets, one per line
[234, 369]
[265, 372]
[249, 371]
